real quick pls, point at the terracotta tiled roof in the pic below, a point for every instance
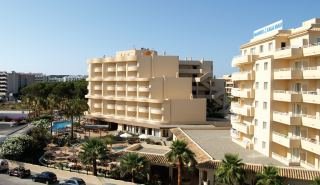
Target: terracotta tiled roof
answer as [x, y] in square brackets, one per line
[200, 155]
[155, 158]
[287, 172]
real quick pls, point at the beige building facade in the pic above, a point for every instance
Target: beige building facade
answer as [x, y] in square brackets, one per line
[277, 95]
[228, 84]
[139, 91]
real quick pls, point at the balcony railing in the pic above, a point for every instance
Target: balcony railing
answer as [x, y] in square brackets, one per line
[97, 69]
[241, 127]
[307, 165]
[311, 145]
[245, 110]
[285, 160]
[132, 68]
[287, 118]
[242, 93]
[311, 50]
[312, 121]
[311, 72]
[244, 75]
[311, 97]
[287, 73]
[243, 59]
[287, 96]
[285, 140]
[288, 53]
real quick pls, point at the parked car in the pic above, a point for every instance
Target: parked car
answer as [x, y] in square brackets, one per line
[19, 172]
[4, 165]
[73, 181]
[46, 177]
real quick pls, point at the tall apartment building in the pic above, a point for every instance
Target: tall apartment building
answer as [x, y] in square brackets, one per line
[141, 92]
[3, 84]
[278, 87]
[17, 81]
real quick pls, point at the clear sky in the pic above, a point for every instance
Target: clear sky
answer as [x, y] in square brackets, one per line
[58, 36]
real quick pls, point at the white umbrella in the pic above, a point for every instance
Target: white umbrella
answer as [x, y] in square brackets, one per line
[143, 136]
[125, 135]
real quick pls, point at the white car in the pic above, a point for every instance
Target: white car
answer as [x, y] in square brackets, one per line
[73, 181]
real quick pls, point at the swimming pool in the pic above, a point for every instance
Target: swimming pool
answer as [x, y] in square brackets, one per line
[57, 125]
[118, 148]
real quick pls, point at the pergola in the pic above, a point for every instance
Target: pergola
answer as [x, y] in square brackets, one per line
[95, 128]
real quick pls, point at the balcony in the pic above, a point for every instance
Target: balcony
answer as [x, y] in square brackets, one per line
[244, 110]
[287, 96]
[190, 71]
[132, 68]
[110, 106]
[97, 69]
[242, 93]
[156, 110]
[144, 89]
[111, 69]
[288, 53]
[243, 143]
[245, 75]
[312, 50]
[121, 88]
[285, 160]
[310, 145]
[121, 68]
[311, 72]
[97, 87]
[244, 128]
[311, 97]
[120, 107]
[131, 108]
[132, 88]
[307, 165]
[285, 140]
[287, 118]
[311, 121]
[110, 88]
[143, 109]
[243, 59]
[97, 105]
[287, 73]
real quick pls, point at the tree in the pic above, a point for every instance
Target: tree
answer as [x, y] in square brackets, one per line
[269, 176]
[133, 164]
[15, 147]
[231, 171]
[108, 140]
[93, 149]
[316, 181]
[180, 155]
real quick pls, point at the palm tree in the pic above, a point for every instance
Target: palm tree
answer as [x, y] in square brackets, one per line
[269, 176]
[231, 171]
[316, 181]
[180, 155]
[93, 149]
[108, 140]
[133, 164]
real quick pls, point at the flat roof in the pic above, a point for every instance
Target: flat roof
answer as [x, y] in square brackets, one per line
[218, 142]
[149, 149]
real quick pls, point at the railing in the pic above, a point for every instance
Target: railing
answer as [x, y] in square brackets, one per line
[310, 92]
[287, 69]
[311, 140]
[287, 114]
[311, 45]
[286, 92]
[287, 47]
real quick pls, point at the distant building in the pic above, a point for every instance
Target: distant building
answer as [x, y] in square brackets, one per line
[139, 91]
[17, 81]
[3, 85]
[228, 84]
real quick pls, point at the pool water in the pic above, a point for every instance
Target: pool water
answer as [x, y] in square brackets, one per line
[118, 148]
[57, 125]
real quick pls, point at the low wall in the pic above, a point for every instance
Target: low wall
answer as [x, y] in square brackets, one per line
[62, 174]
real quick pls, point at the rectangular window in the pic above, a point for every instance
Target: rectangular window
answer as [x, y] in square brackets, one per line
[318, 41]
[256, 122]
[265, 66]
[261, 48]
[252, 50]
[257, 67]
[265, 85]
[270, 46]
[263, 144]
[265, 105]
[264, 125]
[257, 85]
[255, 140]
[256, 104]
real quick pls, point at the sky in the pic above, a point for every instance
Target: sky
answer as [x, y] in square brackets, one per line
[59, 36]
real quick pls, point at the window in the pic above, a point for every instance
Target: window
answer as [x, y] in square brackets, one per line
[263, 144]
[264, 125]
[256, 104]
[283, 45]
[257, 85]
[255, 140]
[256, 122]
[318, 41]
[261, 48]
[270, 46]
[265, 85]
[252, 50]
[257, 67]
[265, 66]
[265, 105]
[245, 52]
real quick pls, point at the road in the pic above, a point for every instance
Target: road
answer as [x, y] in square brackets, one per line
[8, 180]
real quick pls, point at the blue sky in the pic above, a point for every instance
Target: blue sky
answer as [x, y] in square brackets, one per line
[58, 36]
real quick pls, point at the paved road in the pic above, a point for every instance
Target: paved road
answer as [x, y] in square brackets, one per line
[8, 180]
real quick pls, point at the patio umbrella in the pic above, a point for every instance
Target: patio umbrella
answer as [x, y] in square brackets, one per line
[125, 135]
[143, 136]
